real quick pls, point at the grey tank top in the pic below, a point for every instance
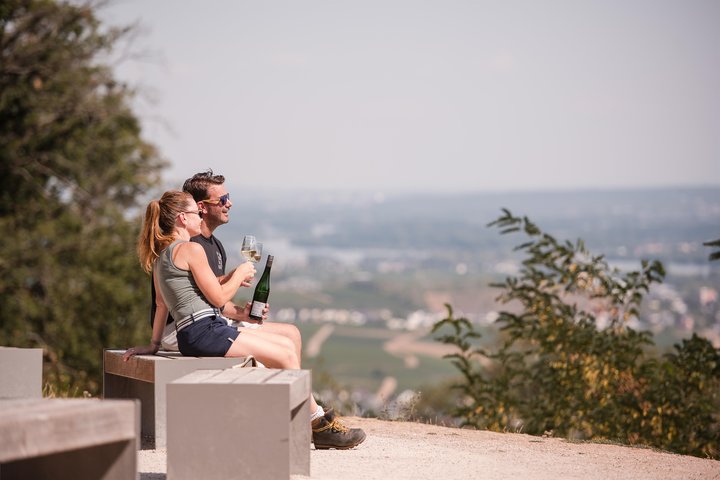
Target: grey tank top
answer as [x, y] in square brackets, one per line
[179, 290]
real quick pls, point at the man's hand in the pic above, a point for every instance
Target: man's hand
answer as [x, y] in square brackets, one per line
[246, 312]
[234, 312]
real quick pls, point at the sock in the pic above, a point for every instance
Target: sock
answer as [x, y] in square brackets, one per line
[318, 413]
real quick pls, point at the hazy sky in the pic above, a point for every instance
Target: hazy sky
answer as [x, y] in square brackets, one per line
[435, 95]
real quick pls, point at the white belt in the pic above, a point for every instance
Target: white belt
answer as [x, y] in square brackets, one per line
[194, 317]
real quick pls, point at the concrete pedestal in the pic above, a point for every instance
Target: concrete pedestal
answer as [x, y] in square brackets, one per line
[81, 439]
[239, 423]
[145, 377]
[21, 372]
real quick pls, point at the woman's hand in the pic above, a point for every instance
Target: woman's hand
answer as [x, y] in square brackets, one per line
[246, 272]
[130, 352]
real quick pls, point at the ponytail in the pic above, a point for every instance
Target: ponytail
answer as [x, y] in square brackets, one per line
[158, 229]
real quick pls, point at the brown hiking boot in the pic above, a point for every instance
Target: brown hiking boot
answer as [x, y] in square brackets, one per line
[328, 432]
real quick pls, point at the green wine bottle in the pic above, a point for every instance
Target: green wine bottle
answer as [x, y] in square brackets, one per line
[262, 292]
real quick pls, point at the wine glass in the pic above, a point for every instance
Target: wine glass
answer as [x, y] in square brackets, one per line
[249, 248]
[258, 252]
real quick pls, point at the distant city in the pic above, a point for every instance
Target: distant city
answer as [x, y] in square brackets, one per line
[377, 259]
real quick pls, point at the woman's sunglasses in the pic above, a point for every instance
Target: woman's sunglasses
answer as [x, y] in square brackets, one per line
[222, 200]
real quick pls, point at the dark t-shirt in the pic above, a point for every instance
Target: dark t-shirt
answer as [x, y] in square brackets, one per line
[216, 258]
[215, 253]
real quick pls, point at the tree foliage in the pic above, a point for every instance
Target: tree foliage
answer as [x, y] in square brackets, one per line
[72, 163]
[570, 363]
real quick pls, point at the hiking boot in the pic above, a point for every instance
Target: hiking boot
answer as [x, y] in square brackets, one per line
[328, 432]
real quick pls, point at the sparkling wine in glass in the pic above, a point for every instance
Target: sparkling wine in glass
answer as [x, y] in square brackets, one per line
[258, 253]
[249, 248]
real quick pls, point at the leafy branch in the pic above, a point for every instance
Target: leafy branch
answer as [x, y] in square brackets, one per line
[569, 361]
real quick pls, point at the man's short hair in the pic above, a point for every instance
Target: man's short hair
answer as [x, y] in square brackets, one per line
[198, 184]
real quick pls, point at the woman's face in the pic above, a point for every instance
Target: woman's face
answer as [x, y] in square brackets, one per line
[192, 218]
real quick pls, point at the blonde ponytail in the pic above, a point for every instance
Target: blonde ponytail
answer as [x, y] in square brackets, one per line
[158, 229]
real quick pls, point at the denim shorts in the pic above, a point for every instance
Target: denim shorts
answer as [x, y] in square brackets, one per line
[208, 337]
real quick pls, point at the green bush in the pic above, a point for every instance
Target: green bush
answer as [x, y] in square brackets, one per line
[571, 365]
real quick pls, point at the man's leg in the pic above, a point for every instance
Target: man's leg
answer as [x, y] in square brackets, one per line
[278, 351]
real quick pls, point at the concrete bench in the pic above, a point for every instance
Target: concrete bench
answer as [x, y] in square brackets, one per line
[20, 372]
[69, 438]
[239, 423]
[145, 376]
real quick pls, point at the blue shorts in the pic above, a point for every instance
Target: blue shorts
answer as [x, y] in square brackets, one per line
[208, 337]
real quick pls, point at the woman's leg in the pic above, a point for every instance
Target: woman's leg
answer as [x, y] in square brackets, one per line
[286, 330]
[274, 350]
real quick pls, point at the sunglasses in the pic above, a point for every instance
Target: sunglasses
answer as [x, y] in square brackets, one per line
[222, 200]
[196, 212]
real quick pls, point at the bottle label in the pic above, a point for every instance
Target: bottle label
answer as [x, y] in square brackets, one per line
[257, 309]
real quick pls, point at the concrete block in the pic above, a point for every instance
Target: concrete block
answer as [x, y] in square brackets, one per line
[145, 377]
[21, 372]
[239, 423]
[81, 439]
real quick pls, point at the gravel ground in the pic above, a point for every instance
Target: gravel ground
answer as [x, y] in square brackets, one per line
[401, 450]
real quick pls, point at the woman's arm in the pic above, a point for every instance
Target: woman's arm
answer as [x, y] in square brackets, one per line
[161, 313]
[191, 256]
[224, 278]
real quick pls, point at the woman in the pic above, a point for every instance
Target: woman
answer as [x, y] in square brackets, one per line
[193, 294]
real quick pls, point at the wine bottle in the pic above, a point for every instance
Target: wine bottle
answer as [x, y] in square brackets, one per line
[262, 292]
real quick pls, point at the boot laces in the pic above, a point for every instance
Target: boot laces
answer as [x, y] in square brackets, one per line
[334, 425]
[338, 427]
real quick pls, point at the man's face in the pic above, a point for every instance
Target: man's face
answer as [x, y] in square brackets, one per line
[214, 212]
